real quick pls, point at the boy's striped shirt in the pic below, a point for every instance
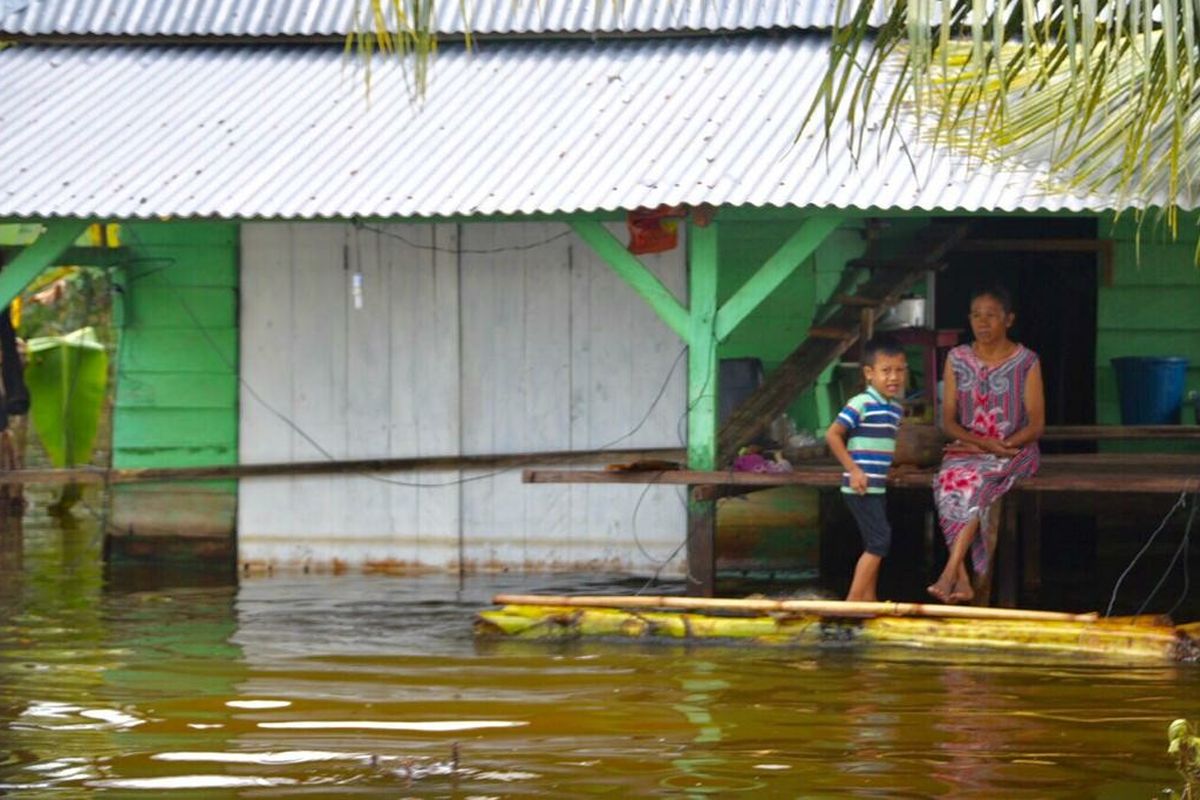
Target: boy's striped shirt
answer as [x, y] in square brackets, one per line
[871, 421]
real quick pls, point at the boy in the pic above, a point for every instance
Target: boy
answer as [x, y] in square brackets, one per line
[863, 439]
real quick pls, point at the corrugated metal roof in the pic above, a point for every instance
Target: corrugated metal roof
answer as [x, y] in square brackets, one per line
[287, 132]
[337, 17]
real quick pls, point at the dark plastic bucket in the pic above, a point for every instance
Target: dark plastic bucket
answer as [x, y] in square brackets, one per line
[1150, 389]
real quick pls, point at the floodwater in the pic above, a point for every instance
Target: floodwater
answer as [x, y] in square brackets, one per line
[371, 686]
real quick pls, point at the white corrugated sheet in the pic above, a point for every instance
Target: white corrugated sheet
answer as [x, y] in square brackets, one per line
[514, 128]
[338, 17]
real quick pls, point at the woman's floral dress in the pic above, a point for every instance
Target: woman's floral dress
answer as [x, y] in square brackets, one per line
[991, 403]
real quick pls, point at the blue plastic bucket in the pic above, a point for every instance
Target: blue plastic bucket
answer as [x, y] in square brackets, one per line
[1150, 389]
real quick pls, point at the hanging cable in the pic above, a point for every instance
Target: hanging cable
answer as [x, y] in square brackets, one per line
[1179, 503]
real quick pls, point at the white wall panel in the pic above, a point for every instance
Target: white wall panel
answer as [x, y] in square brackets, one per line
[472, 339]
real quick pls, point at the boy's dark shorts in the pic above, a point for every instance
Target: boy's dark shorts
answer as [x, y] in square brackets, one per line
[870, 512]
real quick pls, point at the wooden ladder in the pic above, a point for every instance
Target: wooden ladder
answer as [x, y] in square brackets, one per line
[852, 317]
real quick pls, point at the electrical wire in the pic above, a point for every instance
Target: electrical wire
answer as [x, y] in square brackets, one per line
[1179, 503]
[1184, 545]
[290, 423]
[464, 250]
[1180, 549]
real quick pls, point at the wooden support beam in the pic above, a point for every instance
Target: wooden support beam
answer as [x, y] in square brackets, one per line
[778, 268]
[36, 257]
[1105, 249]
[636, 274]
[702, 402]
[1031, 547]
[834, 334]
[855, 300]
[1006, 560]
[702, 347]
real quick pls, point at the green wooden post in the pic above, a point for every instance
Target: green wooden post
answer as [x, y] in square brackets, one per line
[702, 403]
[33, 260]
[635, 273]
[702, 347]
[791, 254]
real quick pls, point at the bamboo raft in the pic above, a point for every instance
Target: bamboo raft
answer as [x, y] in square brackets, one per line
[809, 622]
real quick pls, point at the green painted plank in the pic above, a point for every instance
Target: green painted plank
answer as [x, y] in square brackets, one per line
[1149, 310]
[213, 272]
[179, 268]
[702, 347]
[171, 428]
[1147, 343]
[158, 306]
[79, 256]
[1162, 264]
[177, 390]
[181, 233]
[144, 457]
[179, 350]
[33, 260]
[635, 273]
[791, 254]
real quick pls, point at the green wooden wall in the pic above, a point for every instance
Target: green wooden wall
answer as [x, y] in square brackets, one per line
[781, 322]
[177, 383]
[1151, 306]
[1148, 305]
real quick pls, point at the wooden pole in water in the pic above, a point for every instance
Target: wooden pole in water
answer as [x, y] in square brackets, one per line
[828, 608]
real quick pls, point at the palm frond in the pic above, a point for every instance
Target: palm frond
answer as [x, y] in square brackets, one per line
[1102, 94]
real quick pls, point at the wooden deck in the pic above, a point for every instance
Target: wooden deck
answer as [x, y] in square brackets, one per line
[1016, 539]
[1154, 473]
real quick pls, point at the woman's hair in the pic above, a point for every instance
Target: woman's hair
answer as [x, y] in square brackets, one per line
[997, 293]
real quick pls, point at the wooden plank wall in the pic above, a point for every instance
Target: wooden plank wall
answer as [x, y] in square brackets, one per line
[482, 338]
[176, 393]
[1148, 306]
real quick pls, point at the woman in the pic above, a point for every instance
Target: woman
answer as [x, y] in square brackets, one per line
[994, 411]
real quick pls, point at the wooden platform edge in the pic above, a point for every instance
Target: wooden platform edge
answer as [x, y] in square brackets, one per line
[914, 479]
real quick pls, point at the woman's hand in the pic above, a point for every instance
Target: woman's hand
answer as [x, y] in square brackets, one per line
[983, 447]
[1000, 448]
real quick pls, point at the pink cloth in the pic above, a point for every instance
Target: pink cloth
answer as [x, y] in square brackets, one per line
[753, 462]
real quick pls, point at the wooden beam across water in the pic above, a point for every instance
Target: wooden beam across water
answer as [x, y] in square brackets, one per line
[368, 466]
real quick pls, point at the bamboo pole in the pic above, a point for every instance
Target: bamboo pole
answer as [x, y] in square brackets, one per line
[831, 608]
[100, 475]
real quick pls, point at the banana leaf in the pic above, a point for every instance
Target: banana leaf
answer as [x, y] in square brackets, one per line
[67, 378]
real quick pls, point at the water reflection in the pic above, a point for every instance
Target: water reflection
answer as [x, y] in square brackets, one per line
[148, 685]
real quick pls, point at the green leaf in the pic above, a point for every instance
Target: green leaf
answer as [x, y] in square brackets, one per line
[67, 377]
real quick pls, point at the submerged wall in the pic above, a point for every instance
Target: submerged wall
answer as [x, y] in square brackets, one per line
[176, 390]
[472, 339]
